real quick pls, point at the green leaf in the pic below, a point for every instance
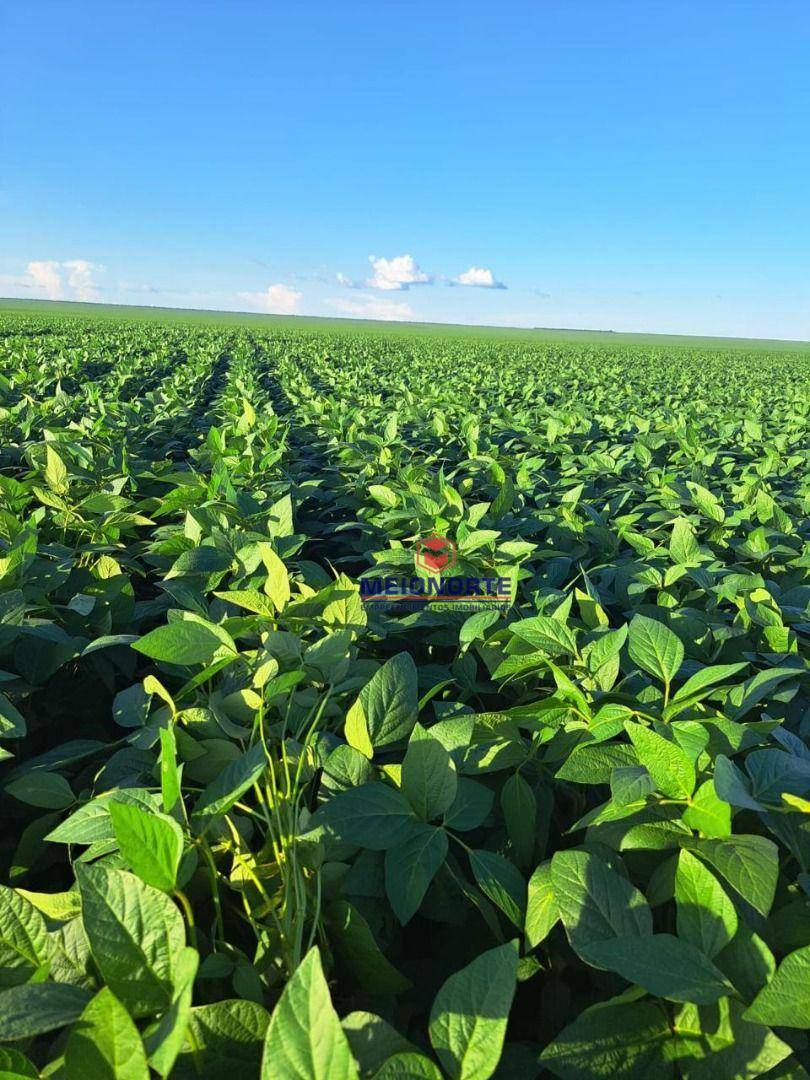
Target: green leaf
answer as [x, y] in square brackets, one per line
[226, 1040]
[429, 779]
[408, 1066]
[502, 882]
[234, 780]
[550, 635]
[375, 816]
[92, 823]
[470, 1012]
[24, 942]
[683, 547]
[251, 600]
[16, 1066]
[383, 495]
[594, 901]
[667, 763]
[542, 913]
[389, 701]
[136, 935]
[654, 648]
[277, 584]
[37, 1008]
[626, 1041]
[785, 1001]
[149, 842]
[170, 772]
[520, 814]
[55, 474]
[165, 1041]
[410, 867]
[357, 950]
[372, 1040]
[743, 698]
[44, 789]
[105, 1044]
[750, 864]
[716, 1041]
[470, 807]
[705, 915]
[699, 685]
[305, 1040]
[664, 965]
[707, 813]
[185, 642]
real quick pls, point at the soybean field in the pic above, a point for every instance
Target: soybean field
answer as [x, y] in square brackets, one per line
[261, 815]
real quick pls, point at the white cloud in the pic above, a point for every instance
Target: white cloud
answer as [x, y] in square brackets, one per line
[398, 273]
[478, 277]
[49, 279]
[46, 279]
[372, 308]
[80, 279]
[346, 281]
[276, 299]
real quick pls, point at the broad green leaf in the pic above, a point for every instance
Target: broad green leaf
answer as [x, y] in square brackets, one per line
[24, 943]
[185, 642]
[683, 547]
[470, 1012]
[664, 965]
[228, 787]
[357, 951]
[470, 807]
[373, 1040]
[408, 1066]
[705, 915]
[165, 1041]
[542, 914]
[37, 1008]
[666, 762]
[429, 779]
[410, 867]
[750, 864]
[654, 648]
[549, 635]
[714, 1041]
[389, 701]
[16, 1066]
[502, 882]
[594, 901]
[626, 1041]
[277, 584]
[149, 842]
[92, 823]
[48, 790]
[383, 495]
[105, 1044]
[304, 1039]
[225, 1040]
[136, 934]
[707, 813]
[785, 1001]
[375, 816]
[519, 808]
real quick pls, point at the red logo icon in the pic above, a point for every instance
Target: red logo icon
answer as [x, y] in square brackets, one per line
[435, 553]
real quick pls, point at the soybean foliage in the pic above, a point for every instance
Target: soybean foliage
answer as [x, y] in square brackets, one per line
[253, 823]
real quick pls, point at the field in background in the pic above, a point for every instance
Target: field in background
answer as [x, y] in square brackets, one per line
[245, 318]
[254, 821]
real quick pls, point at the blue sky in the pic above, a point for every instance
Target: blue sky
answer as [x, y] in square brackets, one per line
[611, 164]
